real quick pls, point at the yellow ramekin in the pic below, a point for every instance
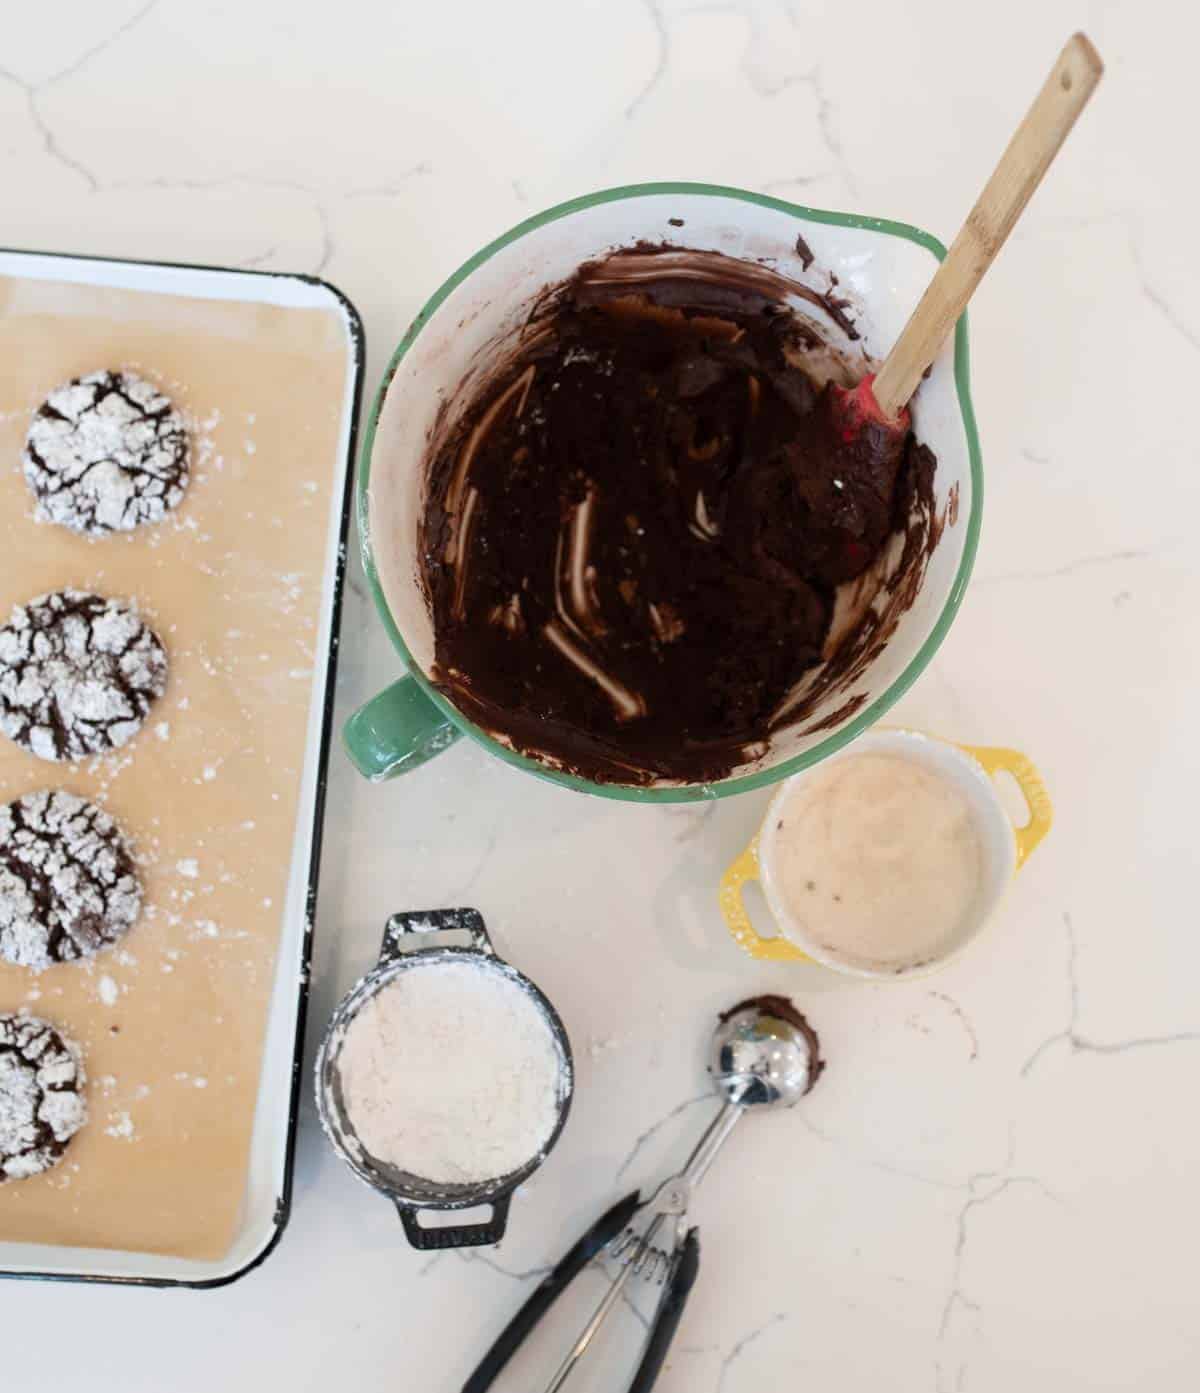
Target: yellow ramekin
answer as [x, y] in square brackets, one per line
[970, 769]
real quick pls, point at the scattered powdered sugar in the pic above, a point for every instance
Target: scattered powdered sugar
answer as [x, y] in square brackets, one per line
[188, 868]
[41, 1107]
[291, 588]
[106, 453]
[108, 991]
[68, 887]
[452, 1073]
[120, 1125]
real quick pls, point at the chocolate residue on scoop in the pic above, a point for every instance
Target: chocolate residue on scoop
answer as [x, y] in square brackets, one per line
[646, 543]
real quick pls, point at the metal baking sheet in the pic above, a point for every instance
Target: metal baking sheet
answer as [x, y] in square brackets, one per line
[58, 311]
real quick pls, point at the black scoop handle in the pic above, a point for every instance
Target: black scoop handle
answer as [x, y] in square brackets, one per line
[669, 1314]
[549, 1289]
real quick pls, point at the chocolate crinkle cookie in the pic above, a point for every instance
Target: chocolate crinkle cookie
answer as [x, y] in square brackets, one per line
[106, 453]
[41, 1102]
[68, 886]
[78, 673]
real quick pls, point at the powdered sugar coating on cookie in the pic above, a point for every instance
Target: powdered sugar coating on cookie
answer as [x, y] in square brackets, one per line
[41, 1104]
[106, 453]
[68, 885]
[78, 674]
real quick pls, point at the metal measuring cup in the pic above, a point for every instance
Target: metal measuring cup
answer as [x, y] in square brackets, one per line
[412, 1193]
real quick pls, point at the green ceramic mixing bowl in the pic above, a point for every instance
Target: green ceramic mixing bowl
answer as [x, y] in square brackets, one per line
[881, 268]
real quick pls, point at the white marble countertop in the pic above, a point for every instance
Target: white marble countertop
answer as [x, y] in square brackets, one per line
[994, 1187]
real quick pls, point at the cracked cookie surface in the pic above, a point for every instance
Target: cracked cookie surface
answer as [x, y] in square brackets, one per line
[41, 1103]
[68, 885]
[106, 453]
[78, 674]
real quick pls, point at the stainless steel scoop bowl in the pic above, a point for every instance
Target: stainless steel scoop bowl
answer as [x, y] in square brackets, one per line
[410, 1193]
[764, 1053]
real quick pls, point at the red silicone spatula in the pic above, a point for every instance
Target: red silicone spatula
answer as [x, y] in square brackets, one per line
[880, 402]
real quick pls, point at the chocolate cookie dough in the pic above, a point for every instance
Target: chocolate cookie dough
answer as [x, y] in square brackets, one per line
[41, 1100]
[68, 886]
[636, 533]
[78, 673]
[106, 453]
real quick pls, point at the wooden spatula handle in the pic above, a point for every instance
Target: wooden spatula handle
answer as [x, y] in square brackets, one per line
[1034, 145]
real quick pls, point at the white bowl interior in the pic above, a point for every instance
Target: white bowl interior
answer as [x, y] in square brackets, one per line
[997, 841]
[880, 273]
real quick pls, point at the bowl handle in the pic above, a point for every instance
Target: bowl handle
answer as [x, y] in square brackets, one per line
[455, 1235]
[737, 920]
[396, 731]
[995, 759]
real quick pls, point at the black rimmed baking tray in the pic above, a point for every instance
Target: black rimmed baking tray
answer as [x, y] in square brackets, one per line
[265, 1205]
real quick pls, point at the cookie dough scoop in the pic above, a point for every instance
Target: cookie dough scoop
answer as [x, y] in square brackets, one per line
[764, 1055]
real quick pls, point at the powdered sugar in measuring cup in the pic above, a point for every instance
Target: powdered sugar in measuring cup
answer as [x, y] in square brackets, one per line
[452, 1073]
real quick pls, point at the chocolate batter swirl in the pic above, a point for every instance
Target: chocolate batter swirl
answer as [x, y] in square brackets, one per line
[634, 538]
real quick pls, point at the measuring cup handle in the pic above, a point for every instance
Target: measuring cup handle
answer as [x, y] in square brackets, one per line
[669, 1314]
[549, 1289]
[454, 1235]
[429, 921]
